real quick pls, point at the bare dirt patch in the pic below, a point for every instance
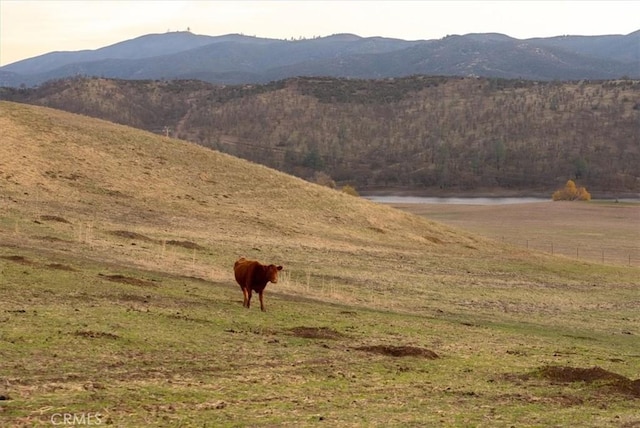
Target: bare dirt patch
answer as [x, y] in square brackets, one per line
[185, 244]
[18, 259]
[25, 261]
[95, 334]
[316, 333]
[53, 239]
[605, 379]
[576, 374]
[126, 234]
[131, 235]
[128, 280]
[54, 218]
[400, 351]
[179, 316]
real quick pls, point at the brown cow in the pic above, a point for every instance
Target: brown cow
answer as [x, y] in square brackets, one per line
[253, 276]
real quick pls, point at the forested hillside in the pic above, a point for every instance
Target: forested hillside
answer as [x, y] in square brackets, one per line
[418, 133]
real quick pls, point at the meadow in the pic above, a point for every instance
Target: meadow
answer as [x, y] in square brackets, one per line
[119, 307]
[605, 231]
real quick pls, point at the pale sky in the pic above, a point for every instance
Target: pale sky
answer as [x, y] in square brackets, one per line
[31, 28]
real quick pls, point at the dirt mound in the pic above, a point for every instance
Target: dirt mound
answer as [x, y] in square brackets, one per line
[400, 351]
[130, 235]
[605, 379]
[126, 234]
[128, 280]
[185, 244]
[95, 334]
[54, 218]
[18, 259]
[316, 333]
[53, 239]
[576, 374]
[25, 261]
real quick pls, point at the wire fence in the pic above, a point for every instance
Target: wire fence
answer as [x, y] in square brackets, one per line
[627, 256]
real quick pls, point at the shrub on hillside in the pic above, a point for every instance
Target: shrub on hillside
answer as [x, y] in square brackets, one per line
[571, 193]
[324, 179]
[350, 190]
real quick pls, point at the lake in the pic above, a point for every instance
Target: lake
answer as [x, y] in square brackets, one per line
[454, 200]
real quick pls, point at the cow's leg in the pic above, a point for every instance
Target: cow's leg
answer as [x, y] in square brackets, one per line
[248, 298]
[261, 301]
[245, 294]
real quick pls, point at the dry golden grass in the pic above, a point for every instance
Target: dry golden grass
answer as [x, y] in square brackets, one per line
[101, 177]
[599, 231]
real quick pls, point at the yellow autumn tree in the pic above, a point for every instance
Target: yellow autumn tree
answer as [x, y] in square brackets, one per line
[571, 193]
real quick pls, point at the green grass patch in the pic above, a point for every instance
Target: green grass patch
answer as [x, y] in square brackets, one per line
[185, 352]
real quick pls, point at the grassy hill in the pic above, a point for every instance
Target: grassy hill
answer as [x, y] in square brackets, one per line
[118, 301]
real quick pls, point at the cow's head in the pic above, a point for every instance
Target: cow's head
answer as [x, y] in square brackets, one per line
[272, 273]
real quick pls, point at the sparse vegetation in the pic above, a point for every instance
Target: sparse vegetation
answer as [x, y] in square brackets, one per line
[380, 317]
[349, 190]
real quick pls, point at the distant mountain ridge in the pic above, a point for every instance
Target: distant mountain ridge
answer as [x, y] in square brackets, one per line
[240, 59]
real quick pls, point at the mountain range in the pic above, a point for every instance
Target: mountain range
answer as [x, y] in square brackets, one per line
[241, 59]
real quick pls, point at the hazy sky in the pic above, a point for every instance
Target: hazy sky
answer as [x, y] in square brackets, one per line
[31, 28]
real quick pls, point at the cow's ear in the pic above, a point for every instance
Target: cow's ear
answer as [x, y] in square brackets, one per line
[279, 268]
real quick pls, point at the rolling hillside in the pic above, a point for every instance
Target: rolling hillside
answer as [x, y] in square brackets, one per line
[421, 133]
[119, 304]
[112, 177]
[115, 177]
[102, 178]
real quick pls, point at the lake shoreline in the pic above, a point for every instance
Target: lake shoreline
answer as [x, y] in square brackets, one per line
[487, 193]
[394, 200]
